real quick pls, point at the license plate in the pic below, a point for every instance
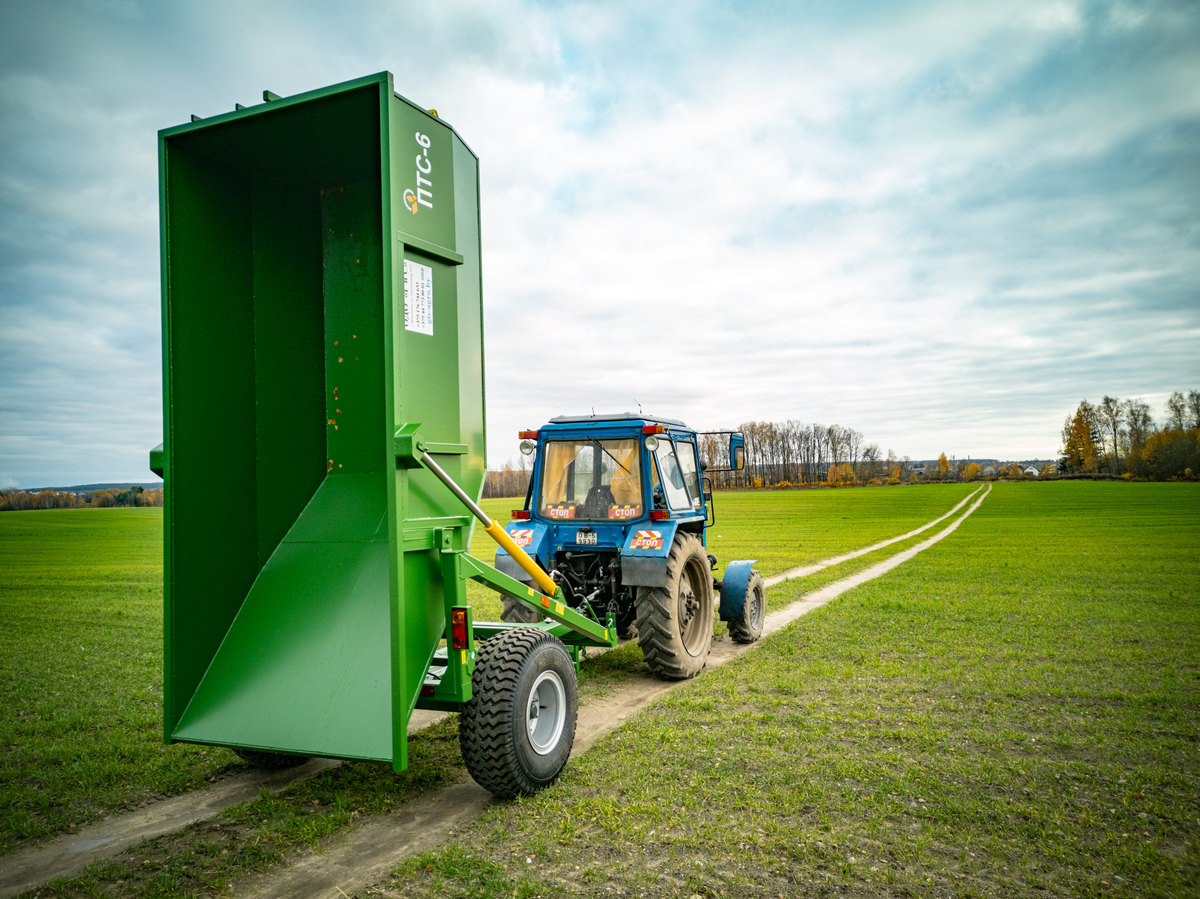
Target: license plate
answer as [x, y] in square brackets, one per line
[585, 538]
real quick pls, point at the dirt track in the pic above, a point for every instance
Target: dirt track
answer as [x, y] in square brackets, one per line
[374, 848]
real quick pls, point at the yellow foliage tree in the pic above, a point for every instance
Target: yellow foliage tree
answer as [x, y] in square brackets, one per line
[841, 475]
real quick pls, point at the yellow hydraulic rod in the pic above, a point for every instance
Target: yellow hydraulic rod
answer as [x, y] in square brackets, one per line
[495, 530]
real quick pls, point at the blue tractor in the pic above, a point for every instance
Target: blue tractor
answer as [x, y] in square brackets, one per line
[616, 513]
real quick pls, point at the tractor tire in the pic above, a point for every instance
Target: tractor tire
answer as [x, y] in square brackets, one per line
[748, 626]
[675, 622]
[270, 761]
[517, 730]
[513, 611]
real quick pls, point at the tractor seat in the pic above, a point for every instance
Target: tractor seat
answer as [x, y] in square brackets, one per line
[599, 500]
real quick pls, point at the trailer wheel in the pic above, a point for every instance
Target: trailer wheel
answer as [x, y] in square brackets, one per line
[270, 761]
[518, 728]
[748, 627]
[675, 622]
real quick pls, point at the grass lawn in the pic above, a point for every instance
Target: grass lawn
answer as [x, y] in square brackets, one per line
[1016, 711]
[80, 602]
[81, 671]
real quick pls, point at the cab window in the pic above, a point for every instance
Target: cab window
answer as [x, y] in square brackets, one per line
[678, 474]
[586, 479]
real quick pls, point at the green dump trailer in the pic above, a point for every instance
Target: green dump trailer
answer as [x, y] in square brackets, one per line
[324, 447]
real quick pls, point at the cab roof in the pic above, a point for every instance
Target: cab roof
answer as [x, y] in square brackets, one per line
[616, 417]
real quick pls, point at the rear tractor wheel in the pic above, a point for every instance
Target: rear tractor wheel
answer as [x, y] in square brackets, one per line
[675, 622]
[517, 731]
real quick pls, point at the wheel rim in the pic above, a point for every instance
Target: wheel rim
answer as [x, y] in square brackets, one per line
[546, 712]
[691, 622]
[757, 608]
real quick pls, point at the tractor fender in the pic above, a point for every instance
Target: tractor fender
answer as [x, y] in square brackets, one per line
[733, 588]
[644, 554]
[531, 536]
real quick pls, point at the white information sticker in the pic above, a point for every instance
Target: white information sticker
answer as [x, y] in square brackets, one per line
[418, 297]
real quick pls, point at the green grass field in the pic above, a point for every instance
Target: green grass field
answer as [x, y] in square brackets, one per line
[1016, 710]
[81, 671]
[80, 599]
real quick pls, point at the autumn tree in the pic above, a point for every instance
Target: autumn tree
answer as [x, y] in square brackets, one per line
[1138, 423]
[1111, 414]
[1170, 453]
[1176, 411]
[1079, 440]
[971, 472]
[841, 475]
[943, 466]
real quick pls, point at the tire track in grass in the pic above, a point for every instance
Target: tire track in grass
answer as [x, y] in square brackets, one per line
[806, 570]
[376, 846]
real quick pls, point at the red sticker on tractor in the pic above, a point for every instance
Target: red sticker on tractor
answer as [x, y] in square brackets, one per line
[624, 511]
[521, 537]
[647, 540]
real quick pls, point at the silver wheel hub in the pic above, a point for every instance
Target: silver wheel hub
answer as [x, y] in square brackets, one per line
[546, 712]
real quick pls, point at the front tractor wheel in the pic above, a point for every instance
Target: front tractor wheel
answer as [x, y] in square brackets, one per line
[517, 731]
[675, 622]
[748, 626]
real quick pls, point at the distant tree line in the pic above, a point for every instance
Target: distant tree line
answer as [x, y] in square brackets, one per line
[22, 500]
[790, 453]
[508, 481]
[1120, 437]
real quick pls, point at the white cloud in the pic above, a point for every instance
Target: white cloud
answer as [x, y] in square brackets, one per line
[939, 224]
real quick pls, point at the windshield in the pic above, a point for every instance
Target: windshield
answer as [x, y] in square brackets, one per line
[591, 480]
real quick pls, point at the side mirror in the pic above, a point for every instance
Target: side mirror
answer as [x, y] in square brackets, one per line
[737, 452]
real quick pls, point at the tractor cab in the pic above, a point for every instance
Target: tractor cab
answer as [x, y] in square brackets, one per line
[615, 469]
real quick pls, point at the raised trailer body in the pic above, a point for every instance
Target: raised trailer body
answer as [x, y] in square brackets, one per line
[323, 382]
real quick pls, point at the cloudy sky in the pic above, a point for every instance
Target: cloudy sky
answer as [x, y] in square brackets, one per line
[939, 223]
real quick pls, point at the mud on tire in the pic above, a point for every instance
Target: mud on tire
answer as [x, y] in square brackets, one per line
[675, 622]
[517, 731]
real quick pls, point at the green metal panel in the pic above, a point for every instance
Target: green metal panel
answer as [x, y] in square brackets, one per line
[305, 591]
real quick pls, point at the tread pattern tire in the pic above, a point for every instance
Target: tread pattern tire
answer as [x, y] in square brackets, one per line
[749, 626]
[270, 761]
[675, 622]
[492, 730]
